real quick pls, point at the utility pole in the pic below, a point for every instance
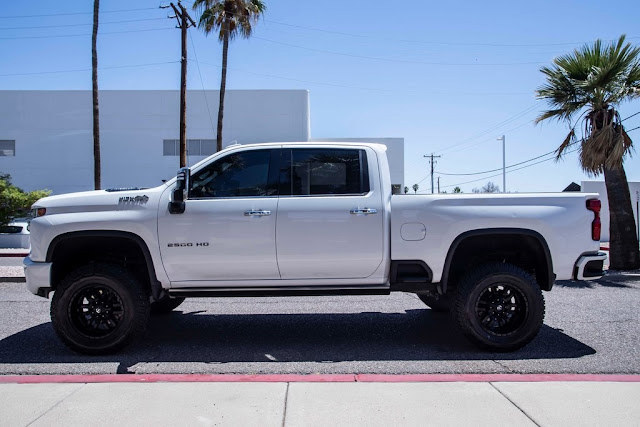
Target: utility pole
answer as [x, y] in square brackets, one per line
[184, 22]
[504, 173]
[438, 185]
[431, 158]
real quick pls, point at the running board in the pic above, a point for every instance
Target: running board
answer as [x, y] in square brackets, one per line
[285, 291]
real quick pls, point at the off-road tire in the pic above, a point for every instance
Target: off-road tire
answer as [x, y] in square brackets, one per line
[96, 290]
[166, 305]
[486, 297]
[440, 304]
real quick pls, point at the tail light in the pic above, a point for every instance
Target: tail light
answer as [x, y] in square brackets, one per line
[594, 206]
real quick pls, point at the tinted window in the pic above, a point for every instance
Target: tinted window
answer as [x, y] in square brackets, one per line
[326, 171]
[236, 175]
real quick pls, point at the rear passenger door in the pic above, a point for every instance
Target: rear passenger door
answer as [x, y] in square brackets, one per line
[330, 222]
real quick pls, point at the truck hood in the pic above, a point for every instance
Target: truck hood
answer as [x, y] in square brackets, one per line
[101, 200]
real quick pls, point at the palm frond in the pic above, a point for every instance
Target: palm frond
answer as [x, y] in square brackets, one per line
[569, 140]
[233, 17]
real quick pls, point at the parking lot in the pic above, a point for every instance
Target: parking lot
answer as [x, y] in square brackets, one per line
[589, 328]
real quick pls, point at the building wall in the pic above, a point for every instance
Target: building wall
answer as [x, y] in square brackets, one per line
[54, 142]
[395, 154]
[600, 188]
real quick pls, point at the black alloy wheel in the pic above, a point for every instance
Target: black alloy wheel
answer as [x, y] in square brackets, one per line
[96, 310]
[501, 309]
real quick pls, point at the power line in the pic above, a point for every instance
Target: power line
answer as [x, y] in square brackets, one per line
[635, 114]
[635, 128]
[491, 129]
[330, 84]
[74, 13]
[499, 174]
[469, 145]
[406, 61]
[494, 170]
[87, 69]
[86, 34]
[213, 129]
[80, 25]
[324, 30]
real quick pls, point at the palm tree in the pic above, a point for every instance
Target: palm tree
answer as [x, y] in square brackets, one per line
[415, 188]
[94, 80]
[589, 84]
[230, 18]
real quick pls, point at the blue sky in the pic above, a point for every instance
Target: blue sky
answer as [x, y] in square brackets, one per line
[449, 77]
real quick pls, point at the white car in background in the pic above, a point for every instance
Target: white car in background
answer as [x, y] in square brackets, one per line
[15, 235]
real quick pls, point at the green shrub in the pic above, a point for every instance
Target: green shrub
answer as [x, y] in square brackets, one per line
[14, 202]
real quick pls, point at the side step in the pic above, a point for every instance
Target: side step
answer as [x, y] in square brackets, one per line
[288, 291]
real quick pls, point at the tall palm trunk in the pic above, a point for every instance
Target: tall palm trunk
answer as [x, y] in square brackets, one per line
[623, 250]
[223, 83]
[96, 115]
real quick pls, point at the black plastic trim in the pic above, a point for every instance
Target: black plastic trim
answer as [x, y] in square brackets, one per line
[501, 231]
[156, 286]
[273, 292]
[393, 274]
[575, 264]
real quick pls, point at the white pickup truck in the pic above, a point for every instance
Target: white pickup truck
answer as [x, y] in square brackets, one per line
[304, 219]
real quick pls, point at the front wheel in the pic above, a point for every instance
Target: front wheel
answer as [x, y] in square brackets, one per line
[499, 307]
[99, 308]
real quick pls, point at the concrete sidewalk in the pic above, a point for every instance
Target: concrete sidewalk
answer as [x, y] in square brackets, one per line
[321, 403]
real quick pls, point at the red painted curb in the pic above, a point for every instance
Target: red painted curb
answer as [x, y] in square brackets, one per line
[157, 378]
[14, 255]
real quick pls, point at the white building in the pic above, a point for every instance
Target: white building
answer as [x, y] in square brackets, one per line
[46, 138]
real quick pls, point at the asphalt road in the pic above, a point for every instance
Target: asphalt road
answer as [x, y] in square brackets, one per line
[589, 328]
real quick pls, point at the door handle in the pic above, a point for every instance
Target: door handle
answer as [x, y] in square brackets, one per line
[365, 211]
[257, 212]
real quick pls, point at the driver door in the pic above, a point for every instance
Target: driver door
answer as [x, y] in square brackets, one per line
[227, 231]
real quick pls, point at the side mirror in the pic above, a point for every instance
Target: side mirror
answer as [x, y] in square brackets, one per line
[177, 205]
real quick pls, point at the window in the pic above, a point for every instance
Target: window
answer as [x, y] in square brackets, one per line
[195, 147]
[244, 174]
[327, 171]
[7, 148]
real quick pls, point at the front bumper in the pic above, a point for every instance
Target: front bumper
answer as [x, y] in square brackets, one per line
[589, 266]
[38, 277]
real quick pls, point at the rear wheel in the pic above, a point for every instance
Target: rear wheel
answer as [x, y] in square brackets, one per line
[165, 305]
[440, 303]
[499, 307]
[99, 308]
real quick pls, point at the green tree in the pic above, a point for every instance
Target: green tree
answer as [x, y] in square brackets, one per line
[96, 112]
[229, 18]
[457, 190]
[406, 190]
[589, 84]
[14, 202]
[415, 188]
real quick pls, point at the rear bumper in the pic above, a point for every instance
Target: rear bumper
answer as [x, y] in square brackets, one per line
[589, 266]
[38, 277]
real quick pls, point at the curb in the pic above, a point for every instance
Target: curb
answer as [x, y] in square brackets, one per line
[338, 378]
[23, 255]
